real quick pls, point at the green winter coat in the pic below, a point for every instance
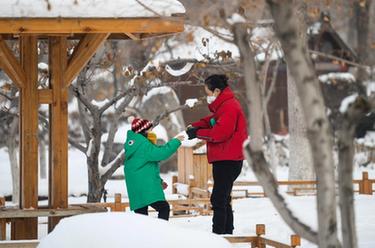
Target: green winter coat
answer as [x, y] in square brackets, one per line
[142, 174]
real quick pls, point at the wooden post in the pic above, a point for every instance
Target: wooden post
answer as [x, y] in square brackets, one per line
[365, 186]
[260, 230]
[174, 188]
[28, 228]
[58, 148]
[191, 186]
[2, 221]
[118, 204]
[295, 241]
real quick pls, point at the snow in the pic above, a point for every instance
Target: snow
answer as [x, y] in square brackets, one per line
[100, 104]
[121, 134]
[161, 132]
[236, 18]
[182, 188]
[156, 91]
[126, 230]
[315, 28]
[191, 102]
[43, 66]
[180, 72]
[337, 76]
[89, 8]
[193, 48]
[346, 102]
[370, 88]
[90, 148]
[368, 140]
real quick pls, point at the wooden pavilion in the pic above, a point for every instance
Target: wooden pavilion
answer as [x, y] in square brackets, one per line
[59, 21]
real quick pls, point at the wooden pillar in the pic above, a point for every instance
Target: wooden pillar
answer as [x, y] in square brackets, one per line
[365, 186]
[2, 221]
[28, 228]
[295, 241]
[260, 230]
[58, 118]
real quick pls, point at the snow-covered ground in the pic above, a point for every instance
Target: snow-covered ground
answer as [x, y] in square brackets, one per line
[248, 212]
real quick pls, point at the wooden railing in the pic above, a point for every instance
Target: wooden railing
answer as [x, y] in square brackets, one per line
[259, 241]
[364, 185]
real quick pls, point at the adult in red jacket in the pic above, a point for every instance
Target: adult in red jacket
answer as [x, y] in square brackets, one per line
[225, 132]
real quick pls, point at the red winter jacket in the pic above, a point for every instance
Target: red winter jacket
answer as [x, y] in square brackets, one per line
[229, 130]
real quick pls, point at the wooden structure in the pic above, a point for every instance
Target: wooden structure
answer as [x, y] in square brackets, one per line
[192, 166]
[63, 68]
[259, 241]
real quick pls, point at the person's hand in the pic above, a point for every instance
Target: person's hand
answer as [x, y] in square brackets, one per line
[164, 185]
[192, 132]
[189, 126]
[180, 138]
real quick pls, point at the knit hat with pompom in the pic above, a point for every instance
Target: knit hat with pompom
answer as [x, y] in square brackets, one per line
[138, 125]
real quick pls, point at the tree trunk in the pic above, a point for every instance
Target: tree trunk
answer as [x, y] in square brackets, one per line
[253, 151]
[300, 160]
[362, 15]
[317, 124]
[346, 153]
[95, 186]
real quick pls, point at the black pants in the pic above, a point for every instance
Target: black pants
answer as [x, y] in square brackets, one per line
[161, 206]
[224, 174]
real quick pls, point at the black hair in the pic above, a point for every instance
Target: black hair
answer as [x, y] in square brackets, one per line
[216, 81]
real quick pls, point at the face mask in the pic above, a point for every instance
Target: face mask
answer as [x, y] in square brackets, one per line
[211, 99]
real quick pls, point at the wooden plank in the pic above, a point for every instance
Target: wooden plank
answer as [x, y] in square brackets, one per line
[31, 213]
[274, 243]
[45, 96]
[241, 239]
[133, 36]
[19, 244]
[58, 149]
[189, 163]
[10, 65]
[181, 165]
[27, 229]
[3, 229]
[91, 25]
[82, 54]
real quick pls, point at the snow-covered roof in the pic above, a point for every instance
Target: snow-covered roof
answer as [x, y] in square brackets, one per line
[89, 8]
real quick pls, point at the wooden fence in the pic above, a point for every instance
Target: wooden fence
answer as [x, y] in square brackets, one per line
[364, 186]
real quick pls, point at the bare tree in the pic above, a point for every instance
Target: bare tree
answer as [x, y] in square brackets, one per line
[320, 138]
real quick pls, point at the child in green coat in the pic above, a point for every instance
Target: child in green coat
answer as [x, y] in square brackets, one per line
[142, 174]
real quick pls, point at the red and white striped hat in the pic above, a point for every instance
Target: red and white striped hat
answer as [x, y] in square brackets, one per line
[139, 125]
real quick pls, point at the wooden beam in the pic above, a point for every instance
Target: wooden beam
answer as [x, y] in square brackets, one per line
[10, 64]
[27, 229]
[32, 213]
[91, 25]
[133, 36]
[45, 96]
[58, 148]
[82, 54]
[19, 244]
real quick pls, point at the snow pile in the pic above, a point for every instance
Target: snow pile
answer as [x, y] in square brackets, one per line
[191, 102]
[180, 72]
[156, 91]
[236, 18]
[315, 28]
[126, 230]
[89, 8]
[346, 102]
[370, 88]
[337, 76]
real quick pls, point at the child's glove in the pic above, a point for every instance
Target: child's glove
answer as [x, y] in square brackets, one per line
[191, 132]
